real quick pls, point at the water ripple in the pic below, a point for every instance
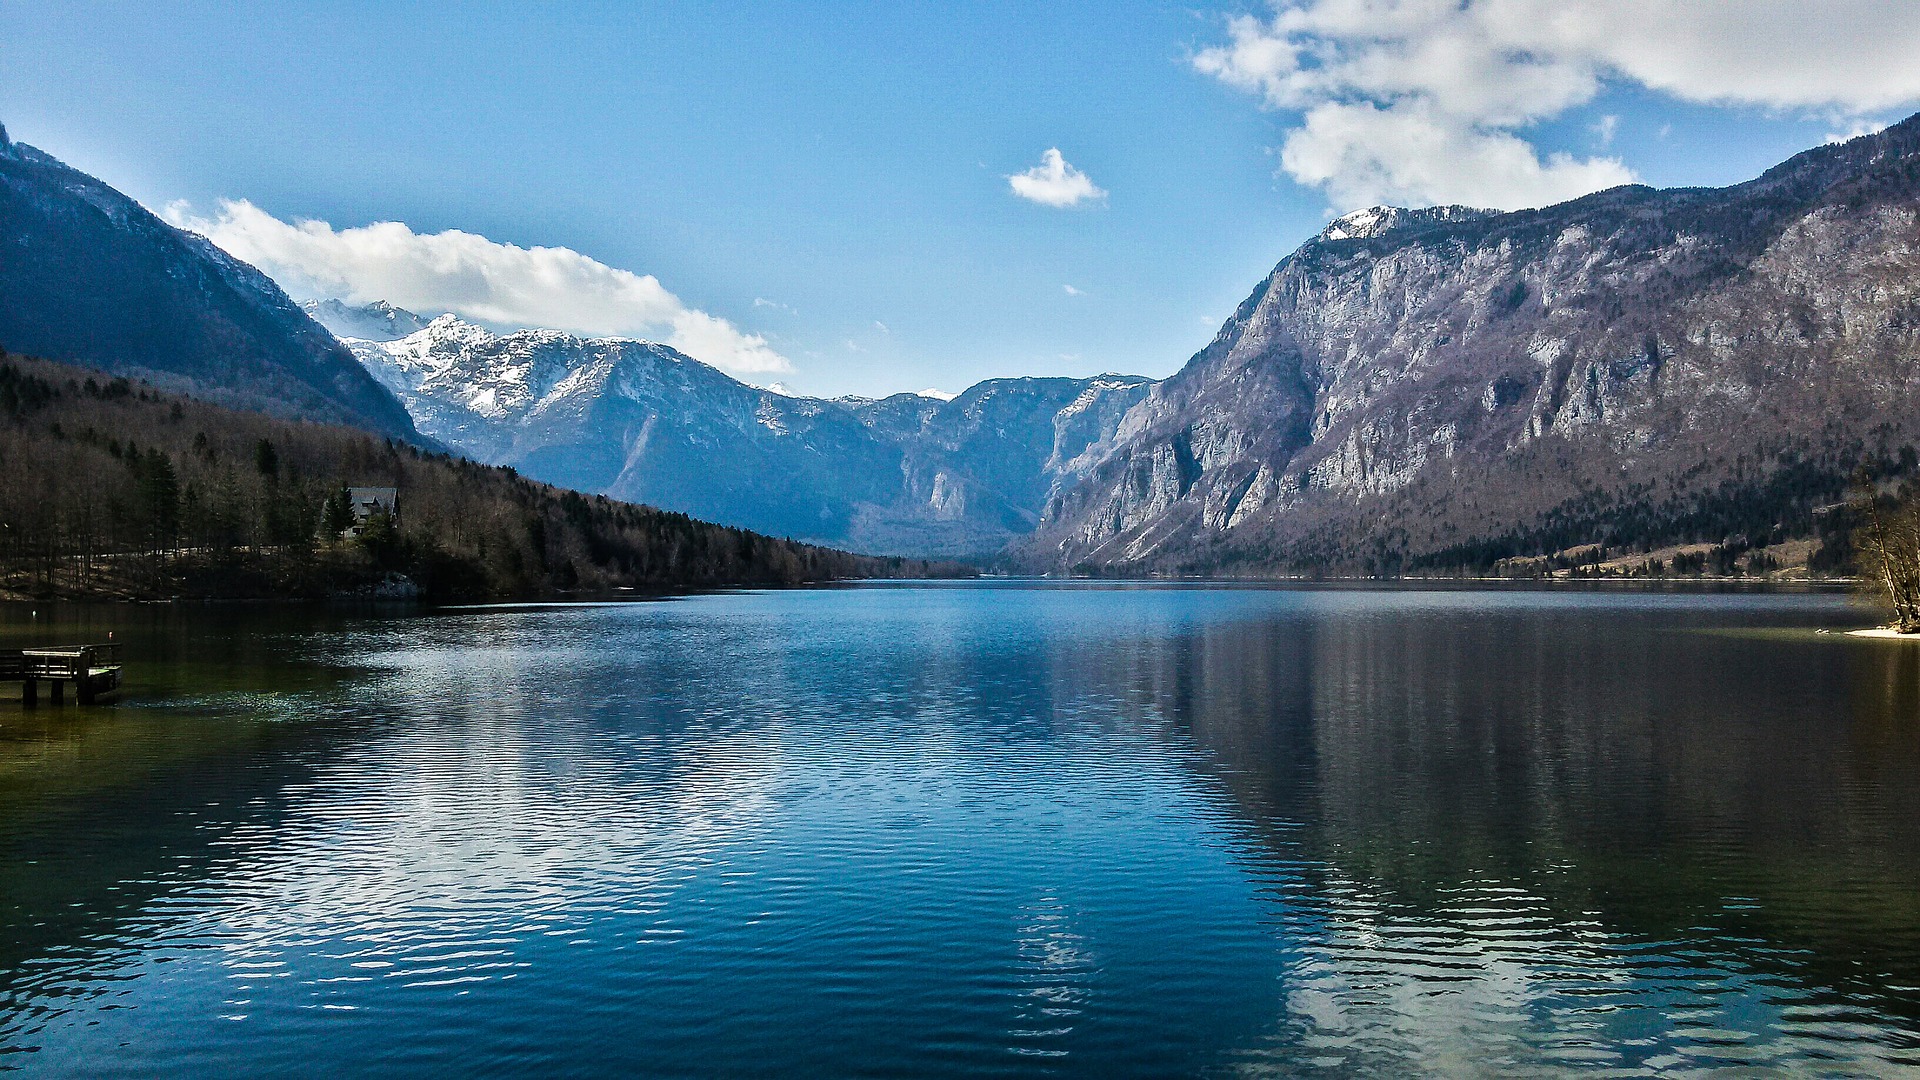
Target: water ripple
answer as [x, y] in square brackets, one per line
[1039, 831]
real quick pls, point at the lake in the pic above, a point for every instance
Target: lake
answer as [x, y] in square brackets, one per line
[972, 828]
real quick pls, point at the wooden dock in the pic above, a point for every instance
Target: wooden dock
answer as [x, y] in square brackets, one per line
[94, 671]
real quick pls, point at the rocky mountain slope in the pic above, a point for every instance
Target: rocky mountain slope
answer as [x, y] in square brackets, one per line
[641, 422]
[88, 275]
[1444, 388]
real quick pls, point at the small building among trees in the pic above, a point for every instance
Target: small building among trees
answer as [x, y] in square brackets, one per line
[349, 510]
[370, 501]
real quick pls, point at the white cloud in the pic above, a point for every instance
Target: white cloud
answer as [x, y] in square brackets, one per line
[880, 326]
[1859, 128]
[1071, 291]
[1363, 154]
[1606, 128]
[1424, 100]
[473, 276]
[937, 394]
[1055, 183]
[763, 302]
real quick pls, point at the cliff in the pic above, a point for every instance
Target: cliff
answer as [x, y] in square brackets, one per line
[1443, 388]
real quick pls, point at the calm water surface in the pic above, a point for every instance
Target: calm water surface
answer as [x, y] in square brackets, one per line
[973, 829]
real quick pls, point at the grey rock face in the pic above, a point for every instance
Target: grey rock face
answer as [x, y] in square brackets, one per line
[1422, 380]
[640, 421]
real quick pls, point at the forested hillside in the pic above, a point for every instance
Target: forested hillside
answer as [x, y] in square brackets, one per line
[110, 487]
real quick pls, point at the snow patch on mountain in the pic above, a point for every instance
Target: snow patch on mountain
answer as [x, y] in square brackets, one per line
[1377, 221]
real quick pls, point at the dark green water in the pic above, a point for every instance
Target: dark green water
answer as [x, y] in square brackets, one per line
[972, 829]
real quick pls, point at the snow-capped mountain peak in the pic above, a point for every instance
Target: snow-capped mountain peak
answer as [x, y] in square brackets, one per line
[479, 388]
[378, 321]
[638, 420]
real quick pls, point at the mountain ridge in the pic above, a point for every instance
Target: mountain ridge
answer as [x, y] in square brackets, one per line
[1385, 398]
[90, 276]
[641, 421]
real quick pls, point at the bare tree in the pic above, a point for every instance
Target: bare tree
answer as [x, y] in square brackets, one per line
[1889, 544]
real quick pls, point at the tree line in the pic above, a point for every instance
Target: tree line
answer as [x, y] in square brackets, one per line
[1796, 491]
[115, 488]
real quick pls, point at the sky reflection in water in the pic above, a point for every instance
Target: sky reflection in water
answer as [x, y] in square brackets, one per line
[976, 829]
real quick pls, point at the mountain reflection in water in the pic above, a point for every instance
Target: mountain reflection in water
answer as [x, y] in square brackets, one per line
[954, 829]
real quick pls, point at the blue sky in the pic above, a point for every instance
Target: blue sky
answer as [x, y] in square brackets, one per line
[833, 179]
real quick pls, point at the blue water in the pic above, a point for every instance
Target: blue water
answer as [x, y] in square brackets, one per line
[974, 829]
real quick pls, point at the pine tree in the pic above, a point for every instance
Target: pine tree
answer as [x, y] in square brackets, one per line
[337, 513]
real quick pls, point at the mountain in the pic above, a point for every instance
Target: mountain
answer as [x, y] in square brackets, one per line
[1449, 387]
[90, 276]
[378, 321]
[639, 421]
